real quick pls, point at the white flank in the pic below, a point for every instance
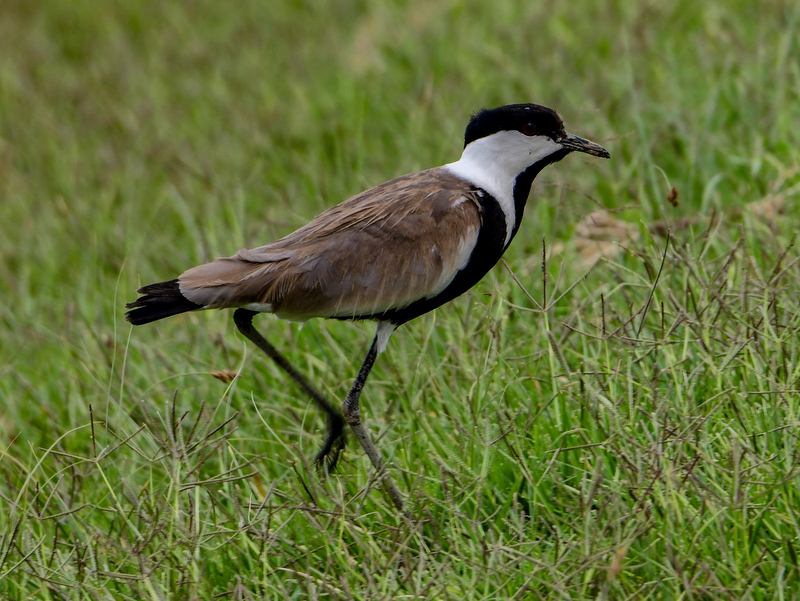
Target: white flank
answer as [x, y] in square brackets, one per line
[456, 263]
[259, 307]
[494, 162]
[383, 334]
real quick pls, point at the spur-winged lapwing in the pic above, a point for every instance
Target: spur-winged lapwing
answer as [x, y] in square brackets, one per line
[389, 254]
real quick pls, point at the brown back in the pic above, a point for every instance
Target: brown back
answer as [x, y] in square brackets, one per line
[384, 248]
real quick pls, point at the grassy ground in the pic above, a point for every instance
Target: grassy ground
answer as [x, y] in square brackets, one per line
[626, 433]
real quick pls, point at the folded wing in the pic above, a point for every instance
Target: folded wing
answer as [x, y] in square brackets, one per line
[382, 249]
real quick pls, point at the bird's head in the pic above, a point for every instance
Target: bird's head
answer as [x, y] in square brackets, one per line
[506, 147]
[521, 135]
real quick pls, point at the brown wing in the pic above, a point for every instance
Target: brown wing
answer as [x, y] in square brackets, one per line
[384, 248]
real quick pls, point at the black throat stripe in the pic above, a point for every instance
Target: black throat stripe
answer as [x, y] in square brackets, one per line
[489, 248]
[522, 186]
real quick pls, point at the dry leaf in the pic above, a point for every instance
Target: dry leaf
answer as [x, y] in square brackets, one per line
[600, 235]
[225, 375]
[616, 563]
[768, 209]
[672, 197]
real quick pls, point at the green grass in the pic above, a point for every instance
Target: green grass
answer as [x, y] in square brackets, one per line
[636, 439]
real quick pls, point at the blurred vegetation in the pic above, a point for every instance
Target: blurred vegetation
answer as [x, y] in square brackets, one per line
[636, 438]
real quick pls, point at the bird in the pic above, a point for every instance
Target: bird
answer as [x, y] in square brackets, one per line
[389, 254]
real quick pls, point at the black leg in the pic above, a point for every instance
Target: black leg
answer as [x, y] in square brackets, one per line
[352, 413]
[334, 439]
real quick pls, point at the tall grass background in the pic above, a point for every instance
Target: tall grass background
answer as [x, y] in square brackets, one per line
[615, 425]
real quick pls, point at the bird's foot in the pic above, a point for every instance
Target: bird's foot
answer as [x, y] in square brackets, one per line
[328, 456]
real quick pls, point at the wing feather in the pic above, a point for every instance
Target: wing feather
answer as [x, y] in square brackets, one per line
[384, 248]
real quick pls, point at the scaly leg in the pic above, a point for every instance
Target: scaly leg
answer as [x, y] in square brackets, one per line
[352, 413]
[334, 439]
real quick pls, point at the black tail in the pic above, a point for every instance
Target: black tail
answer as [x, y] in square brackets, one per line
[158, 301]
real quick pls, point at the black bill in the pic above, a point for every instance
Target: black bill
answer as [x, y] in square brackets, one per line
[582, 145]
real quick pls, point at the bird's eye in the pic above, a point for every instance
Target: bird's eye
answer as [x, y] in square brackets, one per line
[529, 129]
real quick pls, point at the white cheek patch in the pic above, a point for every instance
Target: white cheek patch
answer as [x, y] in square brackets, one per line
[494, 162]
